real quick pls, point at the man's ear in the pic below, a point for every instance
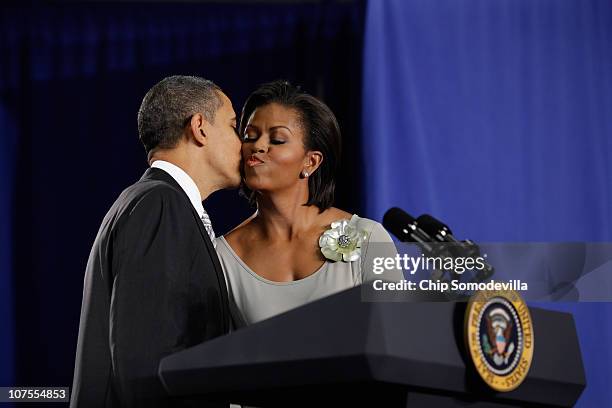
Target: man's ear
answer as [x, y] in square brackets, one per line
[199, 129]
[313, 161]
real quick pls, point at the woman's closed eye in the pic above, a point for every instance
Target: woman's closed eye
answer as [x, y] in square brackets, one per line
[252, 138]
[278, 137]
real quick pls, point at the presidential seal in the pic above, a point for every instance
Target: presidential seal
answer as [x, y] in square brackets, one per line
[499, 338]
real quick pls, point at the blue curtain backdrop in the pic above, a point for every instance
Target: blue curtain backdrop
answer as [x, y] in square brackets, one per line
[496, 117]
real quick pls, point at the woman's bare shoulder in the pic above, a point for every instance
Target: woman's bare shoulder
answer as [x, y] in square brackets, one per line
[333, 214]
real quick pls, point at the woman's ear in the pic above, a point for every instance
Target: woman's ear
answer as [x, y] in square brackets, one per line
[199, 129]
[313, 161]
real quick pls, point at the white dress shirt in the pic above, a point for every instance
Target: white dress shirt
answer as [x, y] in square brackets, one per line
[185, 181]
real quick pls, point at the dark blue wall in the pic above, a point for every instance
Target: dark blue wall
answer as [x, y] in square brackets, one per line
[71, 80]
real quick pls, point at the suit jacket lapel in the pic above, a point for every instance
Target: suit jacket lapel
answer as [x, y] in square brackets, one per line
[216, 265]
[161, 175]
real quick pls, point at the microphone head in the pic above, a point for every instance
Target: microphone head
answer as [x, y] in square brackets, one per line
[397, 221]
[432, 225]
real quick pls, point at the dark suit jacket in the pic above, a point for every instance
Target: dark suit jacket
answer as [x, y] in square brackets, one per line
[153, 286]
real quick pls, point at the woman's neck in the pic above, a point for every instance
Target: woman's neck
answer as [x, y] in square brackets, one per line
[283, 216]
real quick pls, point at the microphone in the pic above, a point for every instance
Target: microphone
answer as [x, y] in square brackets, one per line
[442, 233]
[404, 227]
[436, 228]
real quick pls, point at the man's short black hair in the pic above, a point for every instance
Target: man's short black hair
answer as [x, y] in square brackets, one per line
[169, 105]
[321, 133]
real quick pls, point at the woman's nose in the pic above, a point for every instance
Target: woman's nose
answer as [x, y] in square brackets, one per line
[260, 146]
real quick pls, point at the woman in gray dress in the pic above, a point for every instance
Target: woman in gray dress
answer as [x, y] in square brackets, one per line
[296, 247]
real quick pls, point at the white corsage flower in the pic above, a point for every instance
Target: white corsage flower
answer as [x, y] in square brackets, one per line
[342, 242]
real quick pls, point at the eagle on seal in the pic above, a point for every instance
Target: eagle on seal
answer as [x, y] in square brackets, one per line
[499, 328]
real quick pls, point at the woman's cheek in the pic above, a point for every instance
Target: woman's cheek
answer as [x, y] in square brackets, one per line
[286, 158]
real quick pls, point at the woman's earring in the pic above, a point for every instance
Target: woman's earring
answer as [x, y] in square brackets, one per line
[305, 174]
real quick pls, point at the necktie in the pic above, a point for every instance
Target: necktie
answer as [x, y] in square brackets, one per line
[208, 226]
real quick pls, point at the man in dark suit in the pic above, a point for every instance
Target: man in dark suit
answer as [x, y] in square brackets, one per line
[153, 283]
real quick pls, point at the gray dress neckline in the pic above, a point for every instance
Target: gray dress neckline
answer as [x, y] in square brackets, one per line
[261, 278]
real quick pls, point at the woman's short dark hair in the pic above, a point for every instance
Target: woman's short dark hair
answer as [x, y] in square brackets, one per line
[321, 133]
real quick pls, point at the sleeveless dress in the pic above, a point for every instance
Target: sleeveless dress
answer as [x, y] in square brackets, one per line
[254, 298]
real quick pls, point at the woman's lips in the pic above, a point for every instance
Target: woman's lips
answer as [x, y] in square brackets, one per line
[253, 161]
